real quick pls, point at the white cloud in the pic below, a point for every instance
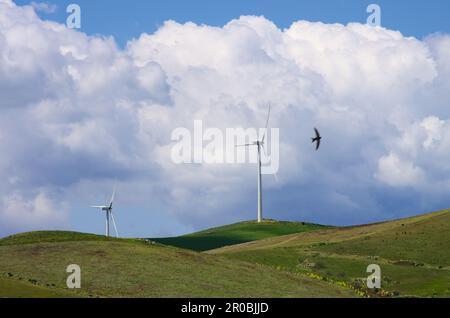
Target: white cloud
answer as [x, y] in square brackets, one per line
[397, 172]
[77, 108]
[38, 212]
[44, 7]
[433, 127]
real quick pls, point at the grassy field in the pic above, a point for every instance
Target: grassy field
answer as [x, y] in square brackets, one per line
[18, 289]
[272, 259]
[236, 234]
[413, 253]
[34, 265]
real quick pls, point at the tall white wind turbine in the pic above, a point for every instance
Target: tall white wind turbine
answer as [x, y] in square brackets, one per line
[108, 209]
[259, 144]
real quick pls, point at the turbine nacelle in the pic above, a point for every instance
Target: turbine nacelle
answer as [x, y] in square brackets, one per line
[108, 213]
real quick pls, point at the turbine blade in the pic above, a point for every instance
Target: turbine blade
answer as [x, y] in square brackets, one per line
[98, 206]
[264, 149]
[245, 145]
[114, 224]
[276, 177]
[275, 174]
[267, 125]
[112, 197]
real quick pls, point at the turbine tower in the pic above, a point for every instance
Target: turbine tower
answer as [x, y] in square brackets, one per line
[260, 144]
[108, 209]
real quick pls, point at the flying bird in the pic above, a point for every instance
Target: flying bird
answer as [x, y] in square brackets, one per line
[317, 139]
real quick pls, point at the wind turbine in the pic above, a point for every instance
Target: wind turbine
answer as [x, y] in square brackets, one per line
[108, 212]
[260, 144]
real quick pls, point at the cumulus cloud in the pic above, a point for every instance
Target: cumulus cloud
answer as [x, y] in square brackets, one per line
[44, 7]
[396, 172]
[78, 109]
[39, 212]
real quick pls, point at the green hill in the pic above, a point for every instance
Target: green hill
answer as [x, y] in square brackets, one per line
[414, 254]
[273, 259]
[236, 234]
[54, 237]
[10, 288]
[34, 265]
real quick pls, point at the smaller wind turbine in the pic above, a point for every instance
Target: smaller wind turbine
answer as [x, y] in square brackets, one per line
[260, 144]
[109, 214]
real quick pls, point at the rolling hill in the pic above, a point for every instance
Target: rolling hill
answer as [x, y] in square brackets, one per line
[414, 254]
[237, 233]
[34, 265]
[273, 259]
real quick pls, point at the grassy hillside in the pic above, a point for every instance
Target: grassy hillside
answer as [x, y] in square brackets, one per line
[53, 237]
[236, 234]
[414, 254]
[34, 265]
[20, 289]
[277, 259]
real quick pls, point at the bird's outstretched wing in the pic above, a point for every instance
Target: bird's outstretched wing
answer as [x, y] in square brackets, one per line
[317, 139]
[317, 133]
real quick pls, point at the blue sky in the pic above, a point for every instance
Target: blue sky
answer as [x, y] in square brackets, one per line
[78, 113]
[128, 19]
